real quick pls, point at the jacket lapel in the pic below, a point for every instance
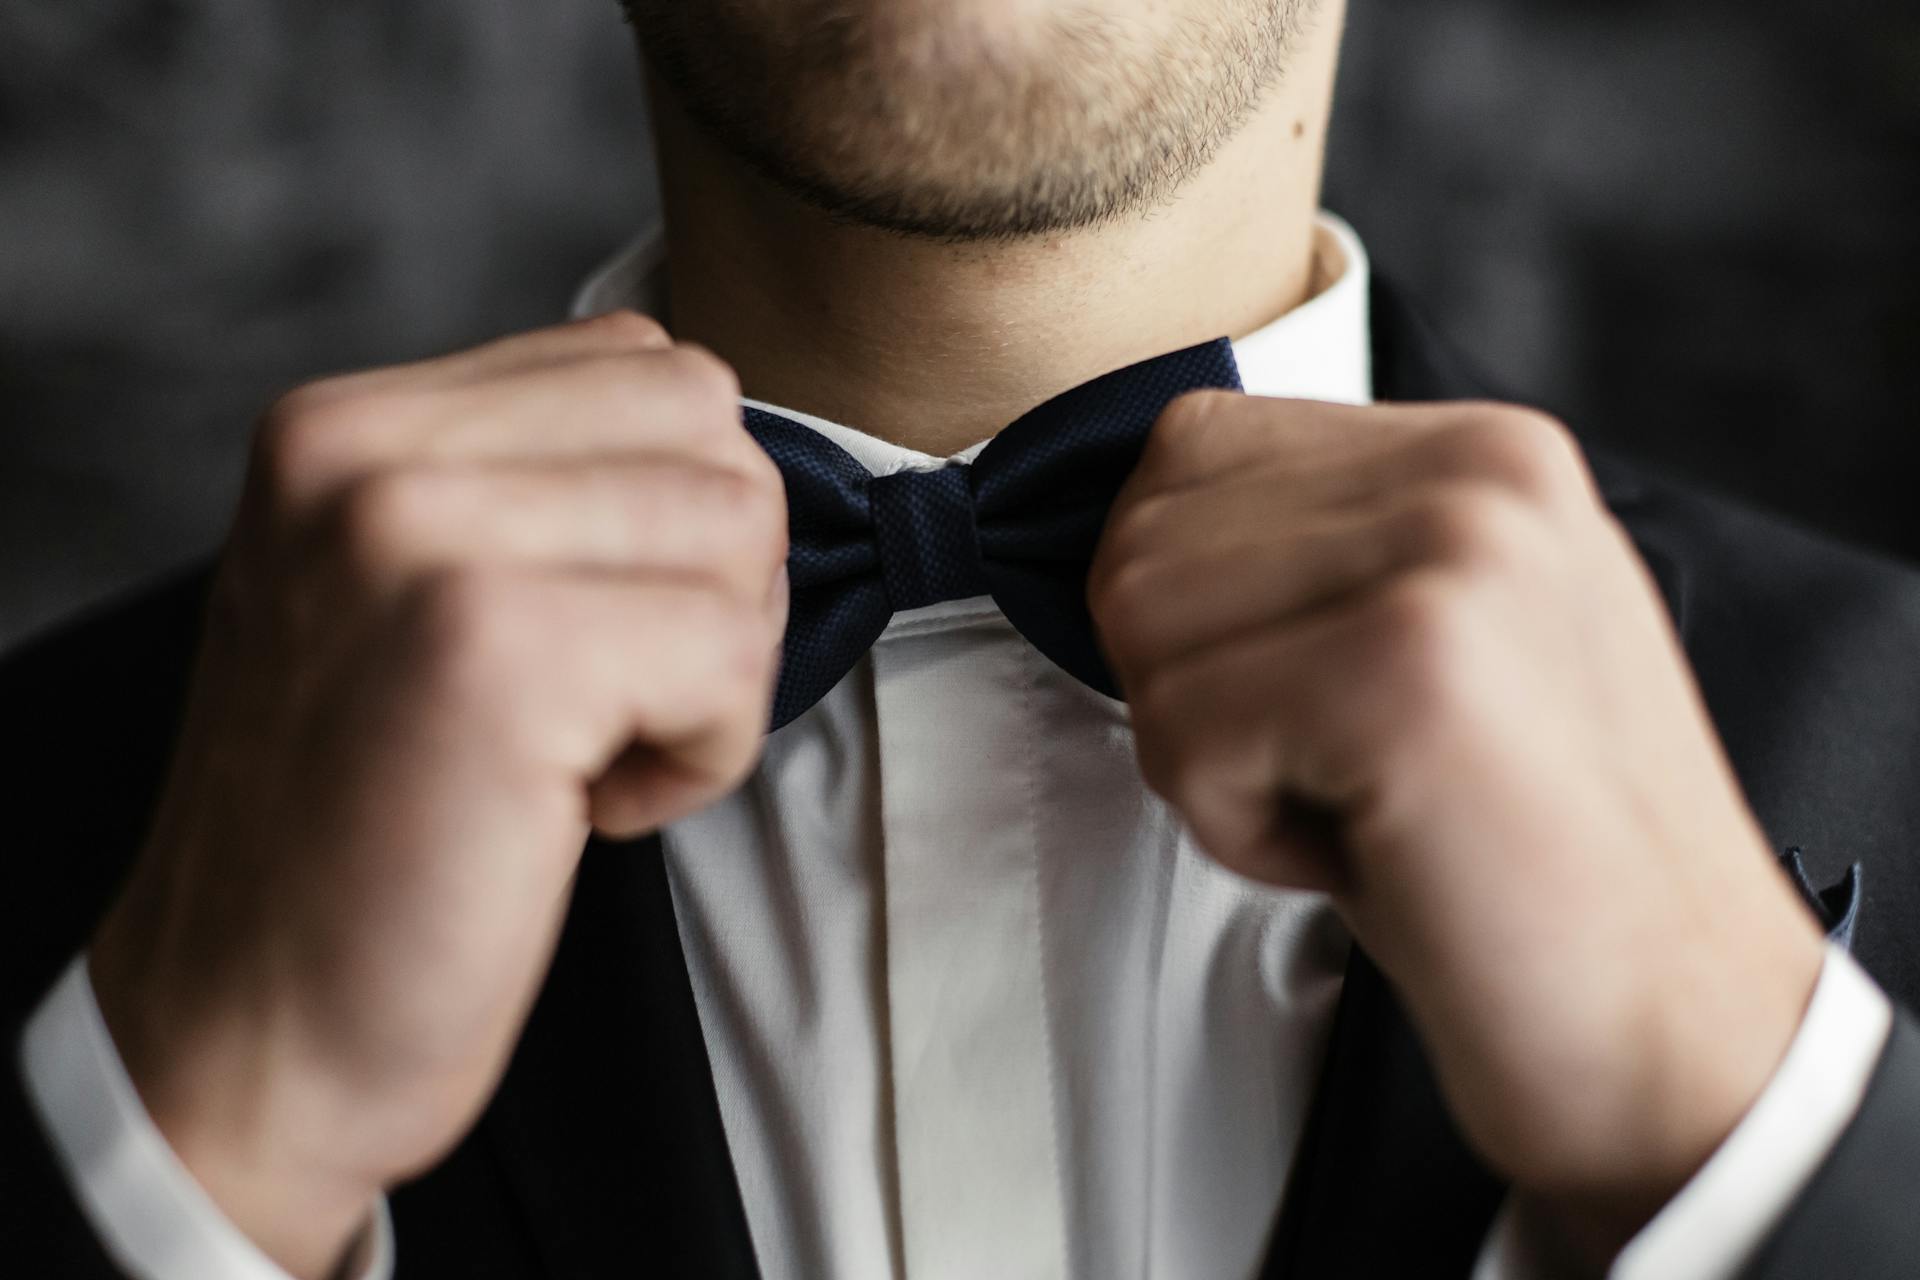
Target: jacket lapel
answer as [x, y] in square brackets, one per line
[607, 1124]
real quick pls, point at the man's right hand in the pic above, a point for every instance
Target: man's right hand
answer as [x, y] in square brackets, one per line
[471, 608]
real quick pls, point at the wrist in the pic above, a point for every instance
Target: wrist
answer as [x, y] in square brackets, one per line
[231, 1109]
[1722, 1020]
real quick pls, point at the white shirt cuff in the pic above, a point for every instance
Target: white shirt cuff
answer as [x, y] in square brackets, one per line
[153, 1218]
[1712, 1228]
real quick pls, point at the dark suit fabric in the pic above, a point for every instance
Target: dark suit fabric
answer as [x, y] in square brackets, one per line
[603, 1153]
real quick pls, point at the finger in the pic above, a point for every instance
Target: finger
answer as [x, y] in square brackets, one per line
[648, 786]
[1211, 742]
[585, 670]
[657, 511]
[643, 790]
[615, 333]
[1202, 521]
[1223, 576]
[322, 437]
[1413, 480]
[682, 398]
[1205, 435]
[1313, 712]
[682, 758]
[1328, 454]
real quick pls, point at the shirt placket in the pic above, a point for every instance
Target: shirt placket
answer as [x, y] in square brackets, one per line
[972, 1063]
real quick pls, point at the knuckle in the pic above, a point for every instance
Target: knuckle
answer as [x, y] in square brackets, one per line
[1182, 771]
[740, 646]
[727, 492]
[1186, 424]
[710, 380]
[739, 750]
[745, 511]
[1125, 599]
[754, 485]
[1528, 451]
[1421, 628]
[298, 434]
[1158, 768]
[766, 513]
[1156, 698]
[1226, 833]
[628, 327]
[381, 515]
[746, 730]
[1193, 412]
[1137, 530]
[1467, 525]
[1188, 779]
[759, 467]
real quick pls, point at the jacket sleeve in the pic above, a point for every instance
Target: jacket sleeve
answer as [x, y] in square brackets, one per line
[88, 714]
[1860, 1215]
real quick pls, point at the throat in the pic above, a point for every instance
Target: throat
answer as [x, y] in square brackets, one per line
[936, 346]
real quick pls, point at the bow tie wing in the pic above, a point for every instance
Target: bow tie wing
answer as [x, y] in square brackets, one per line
[839, 601]
[1022, 522]
[1043, 488]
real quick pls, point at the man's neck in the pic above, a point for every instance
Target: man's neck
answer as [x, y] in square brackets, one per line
[936, 346]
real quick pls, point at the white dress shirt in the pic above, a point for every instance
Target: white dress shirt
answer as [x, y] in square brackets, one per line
[975, 1002]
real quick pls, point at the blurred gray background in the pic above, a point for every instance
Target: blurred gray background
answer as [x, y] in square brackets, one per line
[1691, 228]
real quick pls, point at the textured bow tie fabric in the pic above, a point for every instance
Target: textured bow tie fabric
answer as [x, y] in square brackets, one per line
[1020, 524]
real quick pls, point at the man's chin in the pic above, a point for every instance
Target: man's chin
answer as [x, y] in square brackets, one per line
[968, 119]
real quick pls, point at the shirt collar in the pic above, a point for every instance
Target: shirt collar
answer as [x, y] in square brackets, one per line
[1321, 350]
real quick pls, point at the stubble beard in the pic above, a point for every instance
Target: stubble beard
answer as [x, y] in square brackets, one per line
[923, 119]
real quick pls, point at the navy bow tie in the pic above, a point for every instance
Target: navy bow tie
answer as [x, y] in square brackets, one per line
[1019, 524]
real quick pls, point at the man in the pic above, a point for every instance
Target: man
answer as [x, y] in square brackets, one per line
[1204, 834]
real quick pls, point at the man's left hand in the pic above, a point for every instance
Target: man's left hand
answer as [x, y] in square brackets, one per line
[1404, 654]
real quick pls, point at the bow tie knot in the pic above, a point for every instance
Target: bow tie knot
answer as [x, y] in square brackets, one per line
[925, 532]
[1019, 524]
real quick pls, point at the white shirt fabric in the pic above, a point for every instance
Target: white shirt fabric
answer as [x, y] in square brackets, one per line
[975, 1002]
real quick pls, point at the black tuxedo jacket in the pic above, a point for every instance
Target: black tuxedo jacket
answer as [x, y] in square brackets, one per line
[603, 1152]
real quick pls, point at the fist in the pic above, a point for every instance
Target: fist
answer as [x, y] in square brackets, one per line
[1404, 654]
[469, 608]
